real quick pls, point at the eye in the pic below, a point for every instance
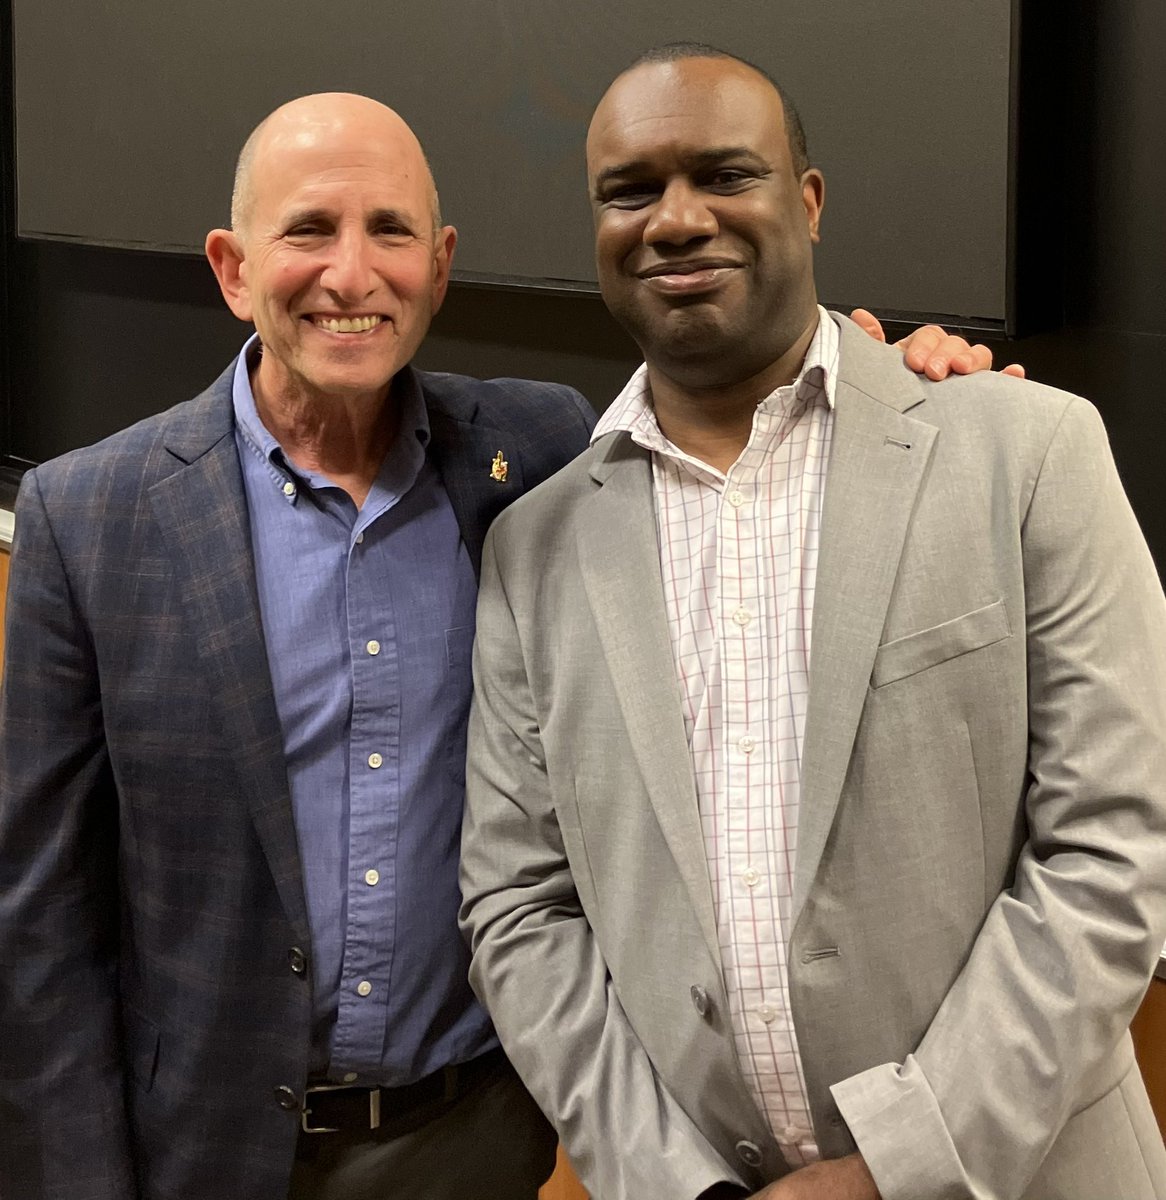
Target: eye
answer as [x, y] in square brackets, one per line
[728, 179]
[629, 195]
[305, 230]
[391, 229]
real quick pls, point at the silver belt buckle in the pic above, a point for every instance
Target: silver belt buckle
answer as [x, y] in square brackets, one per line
[374, 1107]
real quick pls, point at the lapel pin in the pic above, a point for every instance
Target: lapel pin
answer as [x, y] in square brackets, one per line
[499, 467]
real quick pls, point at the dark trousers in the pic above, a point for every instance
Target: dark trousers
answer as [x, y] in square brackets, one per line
[491, 1143]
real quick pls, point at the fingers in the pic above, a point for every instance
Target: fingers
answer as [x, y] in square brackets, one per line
[868, 323]
[935, 353]
[930, 350]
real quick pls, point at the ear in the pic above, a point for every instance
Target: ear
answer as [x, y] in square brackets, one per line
[444, 242]
[224, 252]
[813, 200]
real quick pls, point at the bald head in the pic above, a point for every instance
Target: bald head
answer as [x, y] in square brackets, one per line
[312, 121]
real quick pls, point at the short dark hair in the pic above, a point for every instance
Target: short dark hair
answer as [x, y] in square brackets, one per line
[677, 51]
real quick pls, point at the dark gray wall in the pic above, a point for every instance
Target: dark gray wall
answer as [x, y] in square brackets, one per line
[100, 338]
[138, 149]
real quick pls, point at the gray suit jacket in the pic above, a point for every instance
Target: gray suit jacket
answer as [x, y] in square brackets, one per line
[979, 892]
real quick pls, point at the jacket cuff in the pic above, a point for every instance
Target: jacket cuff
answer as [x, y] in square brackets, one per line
[897, 1124]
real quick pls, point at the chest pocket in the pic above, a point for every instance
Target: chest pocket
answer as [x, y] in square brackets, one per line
[917, 652]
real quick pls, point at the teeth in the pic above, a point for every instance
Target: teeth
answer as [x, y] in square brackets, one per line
[348, 324]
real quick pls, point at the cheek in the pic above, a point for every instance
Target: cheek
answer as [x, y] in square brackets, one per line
[614, 240]
[410, 276]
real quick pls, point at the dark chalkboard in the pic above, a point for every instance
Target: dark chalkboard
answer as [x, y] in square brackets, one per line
[129, 116]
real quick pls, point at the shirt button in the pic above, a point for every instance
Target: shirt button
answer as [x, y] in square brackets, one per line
[286, 1098]
[350, 1077]
[767, 1013]
[797, 1133]
[375, 760]
[736, 499]
[289, 488]
[747, 744]
[363, 988]
[751, 876]
[359, 538]
[749, 1153]
[372, 878]
[373, 647]
[742, 617]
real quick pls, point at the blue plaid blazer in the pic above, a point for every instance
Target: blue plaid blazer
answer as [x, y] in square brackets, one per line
[150, 884]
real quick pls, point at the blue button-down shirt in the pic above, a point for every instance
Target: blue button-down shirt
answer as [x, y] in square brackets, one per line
[368, 617]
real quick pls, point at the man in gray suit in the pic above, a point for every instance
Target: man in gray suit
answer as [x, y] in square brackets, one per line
[867, 921]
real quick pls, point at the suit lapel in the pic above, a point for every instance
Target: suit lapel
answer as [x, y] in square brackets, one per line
[620, 553]
[463, 449]
[201, 511]
[878, 459]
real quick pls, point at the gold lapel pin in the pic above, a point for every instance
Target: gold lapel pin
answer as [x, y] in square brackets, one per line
[499, 467]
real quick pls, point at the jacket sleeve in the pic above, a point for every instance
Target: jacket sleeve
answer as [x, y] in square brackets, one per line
[536, 965]
[1064, 955]
[63, 1130]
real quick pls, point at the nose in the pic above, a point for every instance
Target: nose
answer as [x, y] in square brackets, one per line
[681, 215]
[348, 273]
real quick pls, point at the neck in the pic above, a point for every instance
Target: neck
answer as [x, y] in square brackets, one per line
[712, 422]
[343, 438]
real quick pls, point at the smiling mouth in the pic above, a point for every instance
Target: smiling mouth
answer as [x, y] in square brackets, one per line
[692, 266]
[362, 324]
[693, 277]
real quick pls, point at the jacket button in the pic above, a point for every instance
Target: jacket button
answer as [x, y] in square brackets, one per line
[298, 960]
[749, 1153]
[700, 999]
[286, 1098]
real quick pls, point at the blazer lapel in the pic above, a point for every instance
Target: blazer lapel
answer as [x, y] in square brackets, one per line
[620, 552]
[464, 450]
[201, 510]
[878, 459]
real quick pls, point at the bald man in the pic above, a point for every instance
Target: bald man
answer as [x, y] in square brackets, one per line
[233, 732]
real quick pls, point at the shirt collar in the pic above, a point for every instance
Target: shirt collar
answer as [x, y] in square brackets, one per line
[632, 412]
[261, 442]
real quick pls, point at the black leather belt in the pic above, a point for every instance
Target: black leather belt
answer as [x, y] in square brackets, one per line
[333, 1107]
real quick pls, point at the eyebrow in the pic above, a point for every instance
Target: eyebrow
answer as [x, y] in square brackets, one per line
[698, 158]
[299, 216]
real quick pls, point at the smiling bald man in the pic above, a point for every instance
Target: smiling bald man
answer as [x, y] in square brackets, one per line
[233, 732]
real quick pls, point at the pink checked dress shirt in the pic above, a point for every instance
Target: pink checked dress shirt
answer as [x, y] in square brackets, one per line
[738, 557]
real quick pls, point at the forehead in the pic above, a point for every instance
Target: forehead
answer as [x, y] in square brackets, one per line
[660, 110]
[339, 168]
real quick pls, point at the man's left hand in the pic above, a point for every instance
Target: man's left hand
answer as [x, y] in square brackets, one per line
[834, 1179]
[934, 352]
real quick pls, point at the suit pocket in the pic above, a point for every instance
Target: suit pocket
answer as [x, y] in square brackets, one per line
[929, 647]
[142, 1040]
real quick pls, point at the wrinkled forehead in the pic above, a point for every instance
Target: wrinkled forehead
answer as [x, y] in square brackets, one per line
[689, 106]
[316, 161]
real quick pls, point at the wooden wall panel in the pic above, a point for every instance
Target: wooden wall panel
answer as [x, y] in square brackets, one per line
[1149, 1030]
[3, 596]
[562, 1185]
